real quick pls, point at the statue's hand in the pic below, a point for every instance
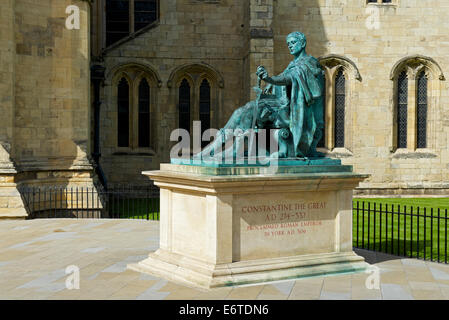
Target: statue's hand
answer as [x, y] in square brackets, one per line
[261, 72]
[268, 88]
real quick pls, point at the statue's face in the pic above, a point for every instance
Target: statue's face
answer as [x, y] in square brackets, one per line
[294, 45]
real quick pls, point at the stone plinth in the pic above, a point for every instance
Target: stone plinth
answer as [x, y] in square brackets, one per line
[227, 229]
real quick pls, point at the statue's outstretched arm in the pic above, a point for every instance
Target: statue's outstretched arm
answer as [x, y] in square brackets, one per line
[279, 80]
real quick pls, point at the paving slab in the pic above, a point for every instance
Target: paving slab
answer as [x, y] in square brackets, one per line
[35, 255]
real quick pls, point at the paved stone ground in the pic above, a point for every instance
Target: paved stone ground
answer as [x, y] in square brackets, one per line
[34, 255]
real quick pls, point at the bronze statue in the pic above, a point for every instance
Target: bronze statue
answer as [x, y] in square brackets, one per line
[291, 104]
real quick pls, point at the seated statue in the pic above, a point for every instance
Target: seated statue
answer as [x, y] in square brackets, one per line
[291, 104]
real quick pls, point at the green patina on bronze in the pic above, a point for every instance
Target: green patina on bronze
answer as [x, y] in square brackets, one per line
[275, 166]
[291, 104]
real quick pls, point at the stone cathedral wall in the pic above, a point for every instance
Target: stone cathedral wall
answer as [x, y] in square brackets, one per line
[45, 99]
[46, 124]
[211, 35]
[375, 37]
[234, 37]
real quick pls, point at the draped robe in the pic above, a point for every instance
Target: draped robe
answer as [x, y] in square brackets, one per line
[306, 103]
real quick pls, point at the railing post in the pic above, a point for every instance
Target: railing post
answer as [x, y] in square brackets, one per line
[146, 202]
[357, 229]
[60, 199]
[431, 234]
[411, 232]
[399, 230]
[87, 202]
[386, 226]
[425, 232]
[380, 227]
[445, 236]
[405, 231]
[77, 206]
[417, 233]
[438, 236]
[363, 225]
[56, 200]
[369, 221]
[391, 230]
[39, 203]
[374, 231]
[50, 204]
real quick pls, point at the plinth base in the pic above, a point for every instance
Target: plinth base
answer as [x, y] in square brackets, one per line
[178, 268]
[242, 225]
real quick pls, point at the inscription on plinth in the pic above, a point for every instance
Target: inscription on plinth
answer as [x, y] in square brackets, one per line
[287, 226]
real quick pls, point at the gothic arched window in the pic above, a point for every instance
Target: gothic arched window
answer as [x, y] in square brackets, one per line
[195, 89]
[421, 112]
[340, 97]
[184, 105]
[321, 143]
[144, 114]
[123, 113]
[136, 88]
[125, 17]
[417, 97]
[402, 104]
[340, 74]
[117, 20]
[145, 13]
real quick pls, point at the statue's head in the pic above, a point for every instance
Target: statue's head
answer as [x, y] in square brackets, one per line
[296, 42]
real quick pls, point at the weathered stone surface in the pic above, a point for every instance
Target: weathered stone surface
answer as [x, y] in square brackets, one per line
[45, 100]
[257, 33]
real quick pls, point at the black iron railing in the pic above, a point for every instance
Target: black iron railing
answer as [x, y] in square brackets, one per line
[120, 201]
[399, 230]
[408, 231]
